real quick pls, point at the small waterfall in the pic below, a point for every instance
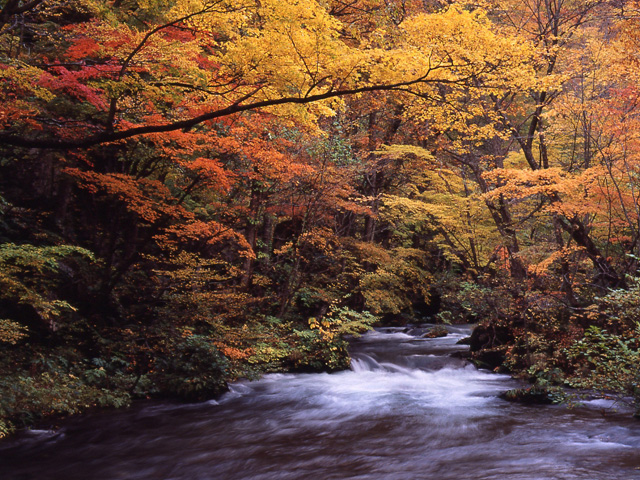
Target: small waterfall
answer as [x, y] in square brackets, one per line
[364, 363]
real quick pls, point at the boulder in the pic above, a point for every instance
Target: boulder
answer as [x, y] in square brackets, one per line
[487, 337]
[436, 332]
[491, 358]
[531, 395]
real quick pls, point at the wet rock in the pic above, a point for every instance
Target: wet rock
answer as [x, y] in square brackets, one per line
[436, 332]
[530, 395]
[491, 359]
[488, 345]
[464, 341]
[487, 337]
[463, 354]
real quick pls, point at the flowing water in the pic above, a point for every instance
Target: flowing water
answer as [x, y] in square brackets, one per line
[407, 410]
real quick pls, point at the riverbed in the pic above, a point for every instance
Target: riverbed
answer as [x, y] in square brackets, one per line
[408, 409]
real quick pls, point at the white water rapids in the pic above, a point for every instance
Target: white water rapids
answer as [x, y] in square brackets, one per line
[407, 410]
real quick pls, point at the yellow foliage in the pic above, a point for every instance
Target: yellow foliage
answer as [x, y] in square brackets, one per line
[438, 199]
[542, 268]
[395, 285]
[370, 252]
[518, 184]
[11, 332]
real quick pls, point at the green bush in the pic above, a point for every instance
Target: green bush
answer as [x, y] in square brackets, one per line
[26, 398]
[608, 362]
[192, 368]
[322, 346]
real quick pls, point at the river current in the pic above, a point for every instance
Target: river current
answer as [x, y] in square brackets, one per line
[406, 410]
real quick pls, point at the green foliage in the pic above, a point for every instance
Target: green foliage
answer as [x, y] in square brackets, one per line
[57, 390]
[469, 301]
[473, 299]
[340, 321]
[609, 362]
[317, 344]
[542, 392]
[607, 356]
[191, 367]
[322, 345]
[30, 277]
[621, 307]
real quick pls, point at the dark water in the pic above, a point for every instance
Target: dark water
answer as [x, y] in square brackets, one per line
[407, 410]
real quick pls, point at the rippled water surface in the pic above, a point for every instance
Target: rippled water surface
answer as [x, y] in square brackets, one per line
[407, 410]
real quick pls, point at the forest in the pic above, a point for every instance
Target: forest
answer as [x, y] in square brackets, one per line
[197, 191]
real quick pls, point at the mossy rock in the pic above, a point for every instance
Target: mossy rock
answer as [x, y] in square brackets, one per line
[533, 395]
[436, 332]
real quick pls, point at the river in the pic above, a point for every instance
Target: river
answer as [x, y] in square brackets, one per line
[406, 410]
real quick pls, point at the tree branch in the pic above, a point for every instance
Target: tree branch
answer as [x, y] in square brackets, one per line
[112, 136]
